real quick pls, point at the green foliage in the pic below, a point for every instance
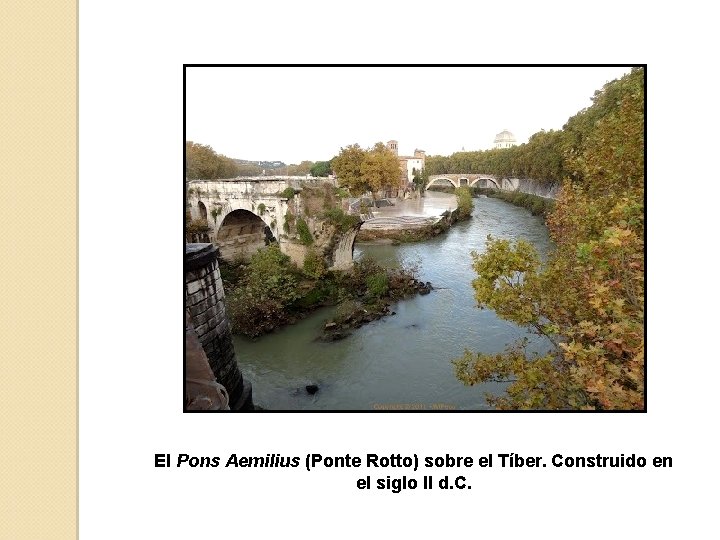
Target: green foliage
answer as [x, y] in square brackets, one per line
[289, 221]
[464, 202]
[342, 221]
[261, 209]
[269, 291]
[304, 233]
[287, 193]
[342, 193]
[314, 265]
[538, 206]
[267, 287]
[588, 299]
[377, 284]
[319, 294]
[321, 168]
[368, 278]
[421, 179]
[504, 273]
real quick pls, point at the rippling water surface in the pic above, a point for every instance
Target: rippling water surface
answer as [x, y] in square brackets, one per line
[401, 361]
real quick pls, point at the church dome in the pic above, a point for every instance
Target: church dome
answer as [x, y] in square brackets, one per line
[504, 136]
[504, 139]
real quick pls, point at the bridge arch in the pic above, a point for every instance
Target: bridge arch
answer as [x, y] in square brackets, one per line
[241, 233]
[485, 182]
[443, 181]
[202, 210]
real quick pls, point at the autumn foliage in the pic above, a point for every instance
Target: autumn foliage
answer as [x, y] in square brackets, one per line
[588, 299]
[367, 170]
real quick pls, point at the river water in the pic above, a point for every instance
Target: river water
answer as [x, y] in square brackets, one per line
[401, 361]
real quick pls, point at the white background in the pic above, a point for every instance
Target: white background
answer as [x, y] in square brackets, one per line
[291, 115]
[131, 311]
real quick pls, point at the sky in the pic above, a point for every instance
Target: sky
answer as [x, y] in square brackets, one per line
[293, 114]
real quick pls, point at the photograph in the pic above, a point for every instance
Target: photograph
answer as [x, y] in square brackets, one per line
[394, 238]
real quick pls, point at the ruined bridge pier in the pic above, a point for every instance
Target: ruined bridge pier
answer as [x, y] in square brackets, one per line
[245, 214]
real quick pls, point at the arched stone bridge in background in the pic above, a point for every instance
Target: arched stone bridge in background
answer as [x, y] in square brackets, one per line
[245, 213]
[473, 180]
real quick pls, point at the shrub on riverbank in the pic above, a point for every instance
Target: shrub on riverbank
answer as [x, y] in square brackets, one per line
[270, 291]
[265, 290]
[367, 292]
[464, 203]
[313, 265]
[377, 284]
[538, 206]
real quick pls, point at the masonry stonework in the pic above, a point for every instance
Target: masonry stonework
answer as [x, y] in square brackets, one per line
[205, 303]
[523, 185]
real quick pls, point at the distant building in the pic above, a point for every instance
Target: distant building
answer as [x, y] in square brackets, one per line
[504, 139]
[409, 164]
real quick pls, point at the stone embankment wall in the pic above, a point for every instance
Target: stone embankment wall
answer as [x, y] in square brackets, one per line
[205, 303]
[533, 187]
[202, 391]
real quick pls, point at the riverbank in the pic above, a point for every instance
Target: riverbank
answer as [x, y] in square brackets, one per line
[367, 307]
[399, 232]
[538, 206]
[271, 292]
[415, 221]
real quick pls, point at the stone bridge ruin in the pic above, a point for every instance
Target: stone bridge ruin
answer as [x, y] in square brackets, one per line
[245, 214]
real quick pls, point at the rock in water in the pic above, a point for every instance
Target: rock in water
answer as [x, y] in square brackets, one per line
[312, 389]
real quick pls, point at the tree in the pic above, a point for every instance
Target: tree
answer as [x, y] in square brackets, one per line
[302, 169]
[202, 163]
[420, 179]
[347, 168]
[588, 299]
[380, 170]
[371, 170]
[464, 202]
[321, 168]
[248, 169]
